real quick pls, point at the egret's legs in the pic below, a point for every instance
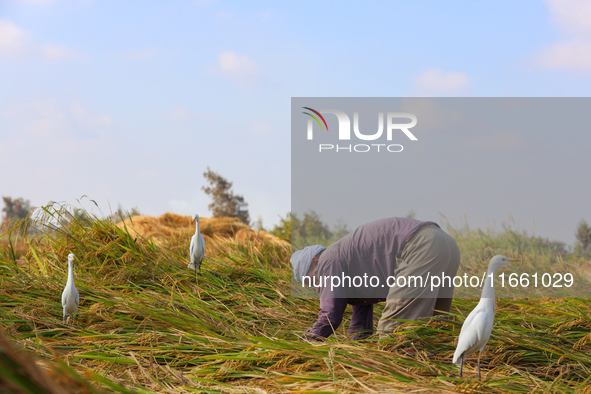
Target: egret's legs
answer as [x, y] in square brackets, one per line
[479, 354]
[461, 364]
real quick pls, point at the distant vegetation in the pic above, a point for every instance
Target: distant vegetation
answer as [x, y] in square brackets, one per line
[309, 230]
[147, 324]
[17, 213]
[583, 234]
[225, 203]
[14, 211]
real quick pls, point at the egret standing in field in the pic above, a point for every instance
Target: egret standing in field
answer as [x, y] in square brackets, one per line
[197, 250]
[70, 296]
[478, 325]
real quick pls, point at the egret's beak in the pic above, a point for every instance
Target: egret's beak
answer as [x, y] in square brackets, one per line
[512, 260]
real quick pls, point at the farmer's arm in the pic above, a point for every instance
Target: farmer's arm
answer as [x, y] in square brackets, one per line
[329, 318]
[333, 298]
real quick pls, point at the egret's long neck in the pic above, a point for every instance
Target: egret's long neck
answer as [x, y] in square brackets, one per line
[70, 272]
[196, 226]
[488, 290]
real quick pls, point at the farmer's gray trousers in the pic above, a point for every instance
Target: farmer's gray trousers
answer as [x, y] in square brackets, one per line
[430, 251]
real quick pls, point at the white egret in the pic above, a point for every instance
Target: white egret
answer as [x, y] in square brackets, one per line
[478, 325]
[70, 296]
[197, 250]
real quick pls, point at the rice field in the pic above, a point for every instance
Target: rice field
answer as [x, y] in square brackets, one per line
[146, 324]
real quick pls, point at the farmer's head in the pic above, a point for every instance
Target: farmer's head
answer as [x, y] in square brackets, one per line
[305, 261]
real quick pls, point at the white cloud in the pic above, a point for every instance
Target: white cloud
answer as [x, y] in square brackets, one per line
[103, 120]
[41, 117]
[229, 61]
[54, 52]
[83, 115]
[433, 116]
[572, 55]
[49, 118]
[437, 81]
[179, 113]
[259, 128]
[573, 52]
[572, 16]
[46, 136]
[239, 68]
[15, 43]
[12, 39]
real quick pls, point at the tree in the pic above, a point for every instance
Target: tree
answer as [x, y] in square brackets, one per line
[308, 231]
[554, 247]
[283, 229]
[583, 236]
[14, 210]
[225, 203]
[312, 226]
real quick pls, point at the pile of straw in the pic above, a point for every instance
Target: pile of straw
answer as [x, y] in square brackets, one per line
[168, 226]
[147, 324]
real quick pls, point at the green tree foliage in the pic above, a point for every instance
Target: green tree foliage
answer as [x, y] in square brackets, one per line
[583, 235]
[311, 226]
[308, 231]
[283, 229]
[554, 247]
[225, 203]
[14, 211]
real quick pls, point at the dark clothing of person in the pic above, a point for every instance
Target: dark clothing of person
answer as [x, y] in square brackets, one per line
[369, 250]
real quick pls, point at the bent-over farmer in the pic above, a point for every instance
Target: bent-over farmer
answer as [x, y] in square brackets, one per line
[369, 265]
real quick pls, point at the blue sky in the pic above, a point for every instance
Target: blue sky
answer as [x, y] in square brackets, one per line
[130, 102]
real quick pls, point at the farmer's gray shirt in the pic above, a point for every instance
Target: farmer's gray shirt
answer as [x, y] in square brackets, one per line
[369, 250]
